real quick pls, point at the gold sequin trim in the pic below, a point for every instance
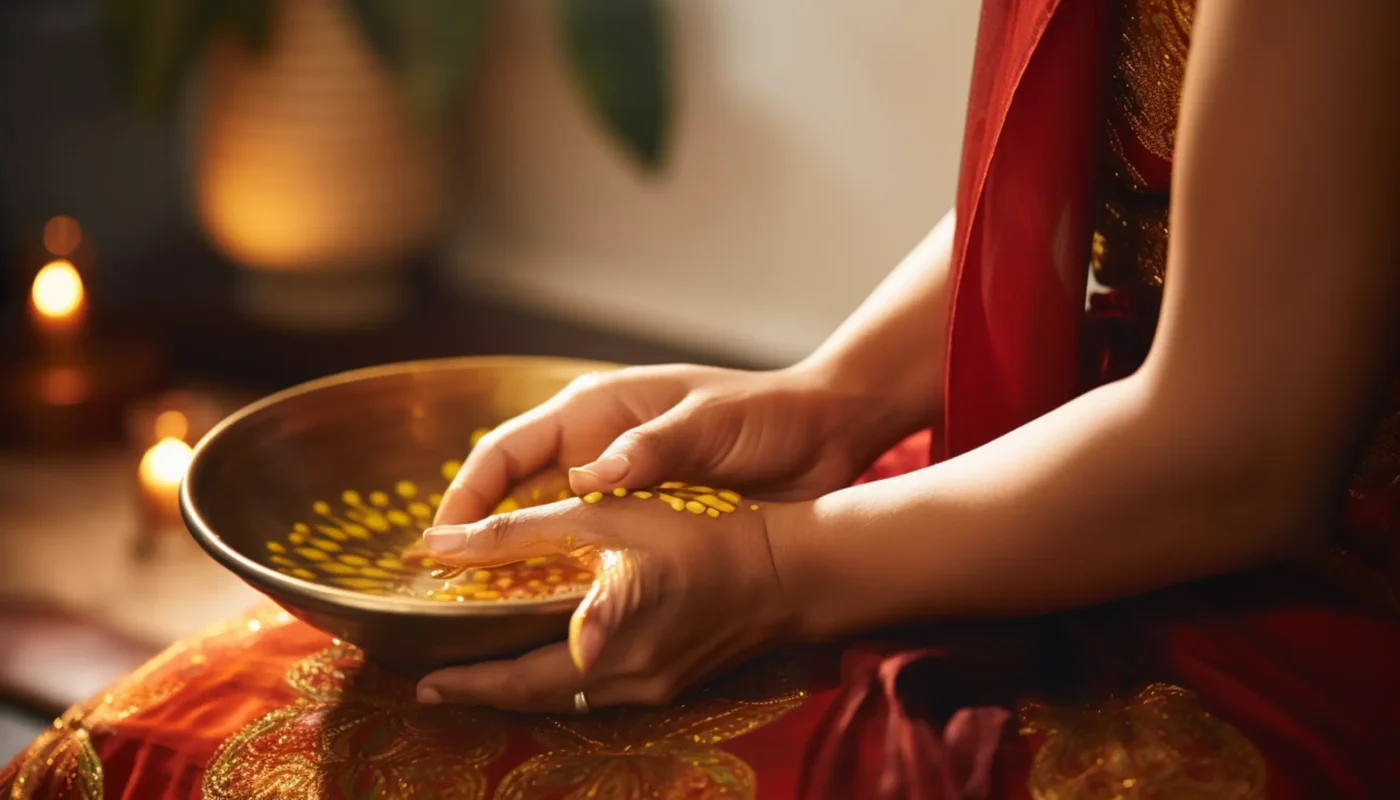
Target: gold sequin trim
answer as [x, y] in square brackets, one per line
[1159, 743]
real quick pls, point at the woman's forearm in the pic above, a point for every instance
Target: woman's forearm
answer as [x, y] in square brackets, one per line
[1228, 447]
[1108, 496]
[894, 343]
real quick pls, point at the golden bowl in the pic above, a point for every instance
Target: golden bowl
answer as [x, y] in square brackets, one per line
[279, 464]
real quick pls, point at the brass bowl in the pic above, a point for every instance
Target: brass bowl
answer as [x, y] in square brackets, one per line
[260, 472]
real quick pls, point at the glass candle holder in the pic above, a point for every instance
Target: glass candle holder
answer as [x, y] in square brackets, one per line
[162, 432]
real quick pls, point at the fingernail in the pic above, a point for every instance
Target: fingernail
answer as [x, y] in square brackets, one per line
[585, 640]
[444, 540]
[609, 468]
[429, 696]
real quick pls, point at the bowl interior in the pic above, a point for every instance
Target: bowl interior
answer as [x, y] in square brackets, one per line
[324, 457]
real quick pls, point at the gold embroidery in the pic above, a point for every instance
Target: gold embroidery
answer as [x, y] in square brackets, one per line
[1130, 242]
[1147, 77]
[62, 762]
[350, 749]
[59, 765]
[662, 753]
[1158, 744]
[322, 676]
[356, 732]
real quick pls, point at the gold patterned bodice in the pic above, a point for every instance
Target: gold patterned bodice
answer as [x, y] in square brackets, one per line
[1129, 255]
[1150, 49]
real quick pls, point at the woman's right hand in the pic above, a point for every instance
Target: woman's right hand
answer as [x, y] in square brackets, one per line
[781, 435]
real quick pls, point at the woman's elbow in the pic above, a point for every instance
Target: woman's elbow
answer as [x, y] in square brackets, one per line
[1285, 505]
[1248, 481]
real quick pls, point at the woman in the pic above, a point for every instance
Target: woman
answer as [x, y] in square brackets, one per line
[1129, 532]
[1074, 466]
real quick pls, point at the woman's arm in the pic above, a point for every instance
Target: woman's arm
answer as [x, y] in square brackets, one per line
[1226, 449]
[896, 341]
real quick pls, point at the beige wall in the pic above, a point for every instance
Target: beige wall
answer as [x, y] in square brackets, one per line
[816, 142]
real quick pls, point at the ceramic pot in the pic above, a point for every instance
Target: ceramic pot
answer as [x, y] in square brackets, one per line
[309, 174]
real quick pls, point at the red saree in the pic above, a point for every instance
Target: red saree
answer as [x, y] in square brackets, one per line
[1273, 684]
[1278, 684]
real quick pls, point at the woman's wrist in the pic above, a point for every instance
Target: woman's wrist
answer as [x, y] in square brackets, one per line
[793, 535]
[870, 410]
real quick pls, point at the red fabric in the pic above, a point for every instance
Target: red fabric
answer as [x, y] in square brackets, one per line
[1251, 647]
[887, 730]
[1021, 247]
[306, 718]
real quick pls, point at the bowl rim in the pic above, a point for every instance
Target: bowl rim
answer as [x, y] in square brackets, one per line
[275, 583]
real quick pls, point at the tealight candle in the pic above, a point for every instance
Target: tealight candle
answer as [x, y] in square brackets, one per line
[162, 468]
[161, 431]
[65, 375]
[58, 304]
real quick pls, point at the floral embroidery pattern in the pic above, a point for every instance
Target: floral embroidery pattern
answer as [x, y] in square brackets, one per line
[1156, 745]
[355, 732]
[659, 753]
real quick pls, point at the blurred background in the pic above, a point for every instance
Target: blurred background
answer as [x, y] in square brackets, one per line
[202, 201]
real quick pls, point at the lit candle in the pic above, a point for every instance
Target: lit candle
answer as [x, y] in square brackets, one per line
[162, 468]
[58, 302]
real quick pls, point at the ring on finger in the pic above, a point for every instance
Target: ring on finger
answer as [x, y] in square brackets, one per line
[580, 703]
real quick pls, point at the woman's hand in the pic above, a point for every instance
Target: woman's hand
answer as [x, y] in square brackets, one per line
[678, 596]
[788, 434]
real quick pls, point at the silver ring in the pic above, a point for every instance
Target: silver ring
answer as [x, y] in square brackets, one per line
[580, 703]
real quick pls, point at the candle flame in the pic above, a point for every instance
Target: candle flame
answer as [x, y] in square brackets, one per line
[165, 463]
[58, 290]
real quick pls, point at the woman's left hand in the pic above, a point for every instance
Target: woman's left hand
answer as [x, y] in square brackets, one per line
[678, 596]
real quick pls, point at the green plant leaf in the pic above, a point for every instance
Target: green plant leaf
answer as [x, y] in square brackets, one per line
[619, 52]
[433, 47]
[155, 41]
[250, 19]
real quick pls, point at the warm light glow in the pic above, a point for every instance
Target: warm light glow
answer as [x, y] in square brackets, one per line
[63, 386]
[171, 425]
[165, 463]
[57, 291]
[62, 235]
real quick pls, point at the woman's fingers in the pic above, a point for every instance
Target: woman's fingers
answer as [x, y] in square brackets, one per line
[499, 461]
[547, 679]
[665, 448]
[614, 598]
[506, 538]
[542, 681]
